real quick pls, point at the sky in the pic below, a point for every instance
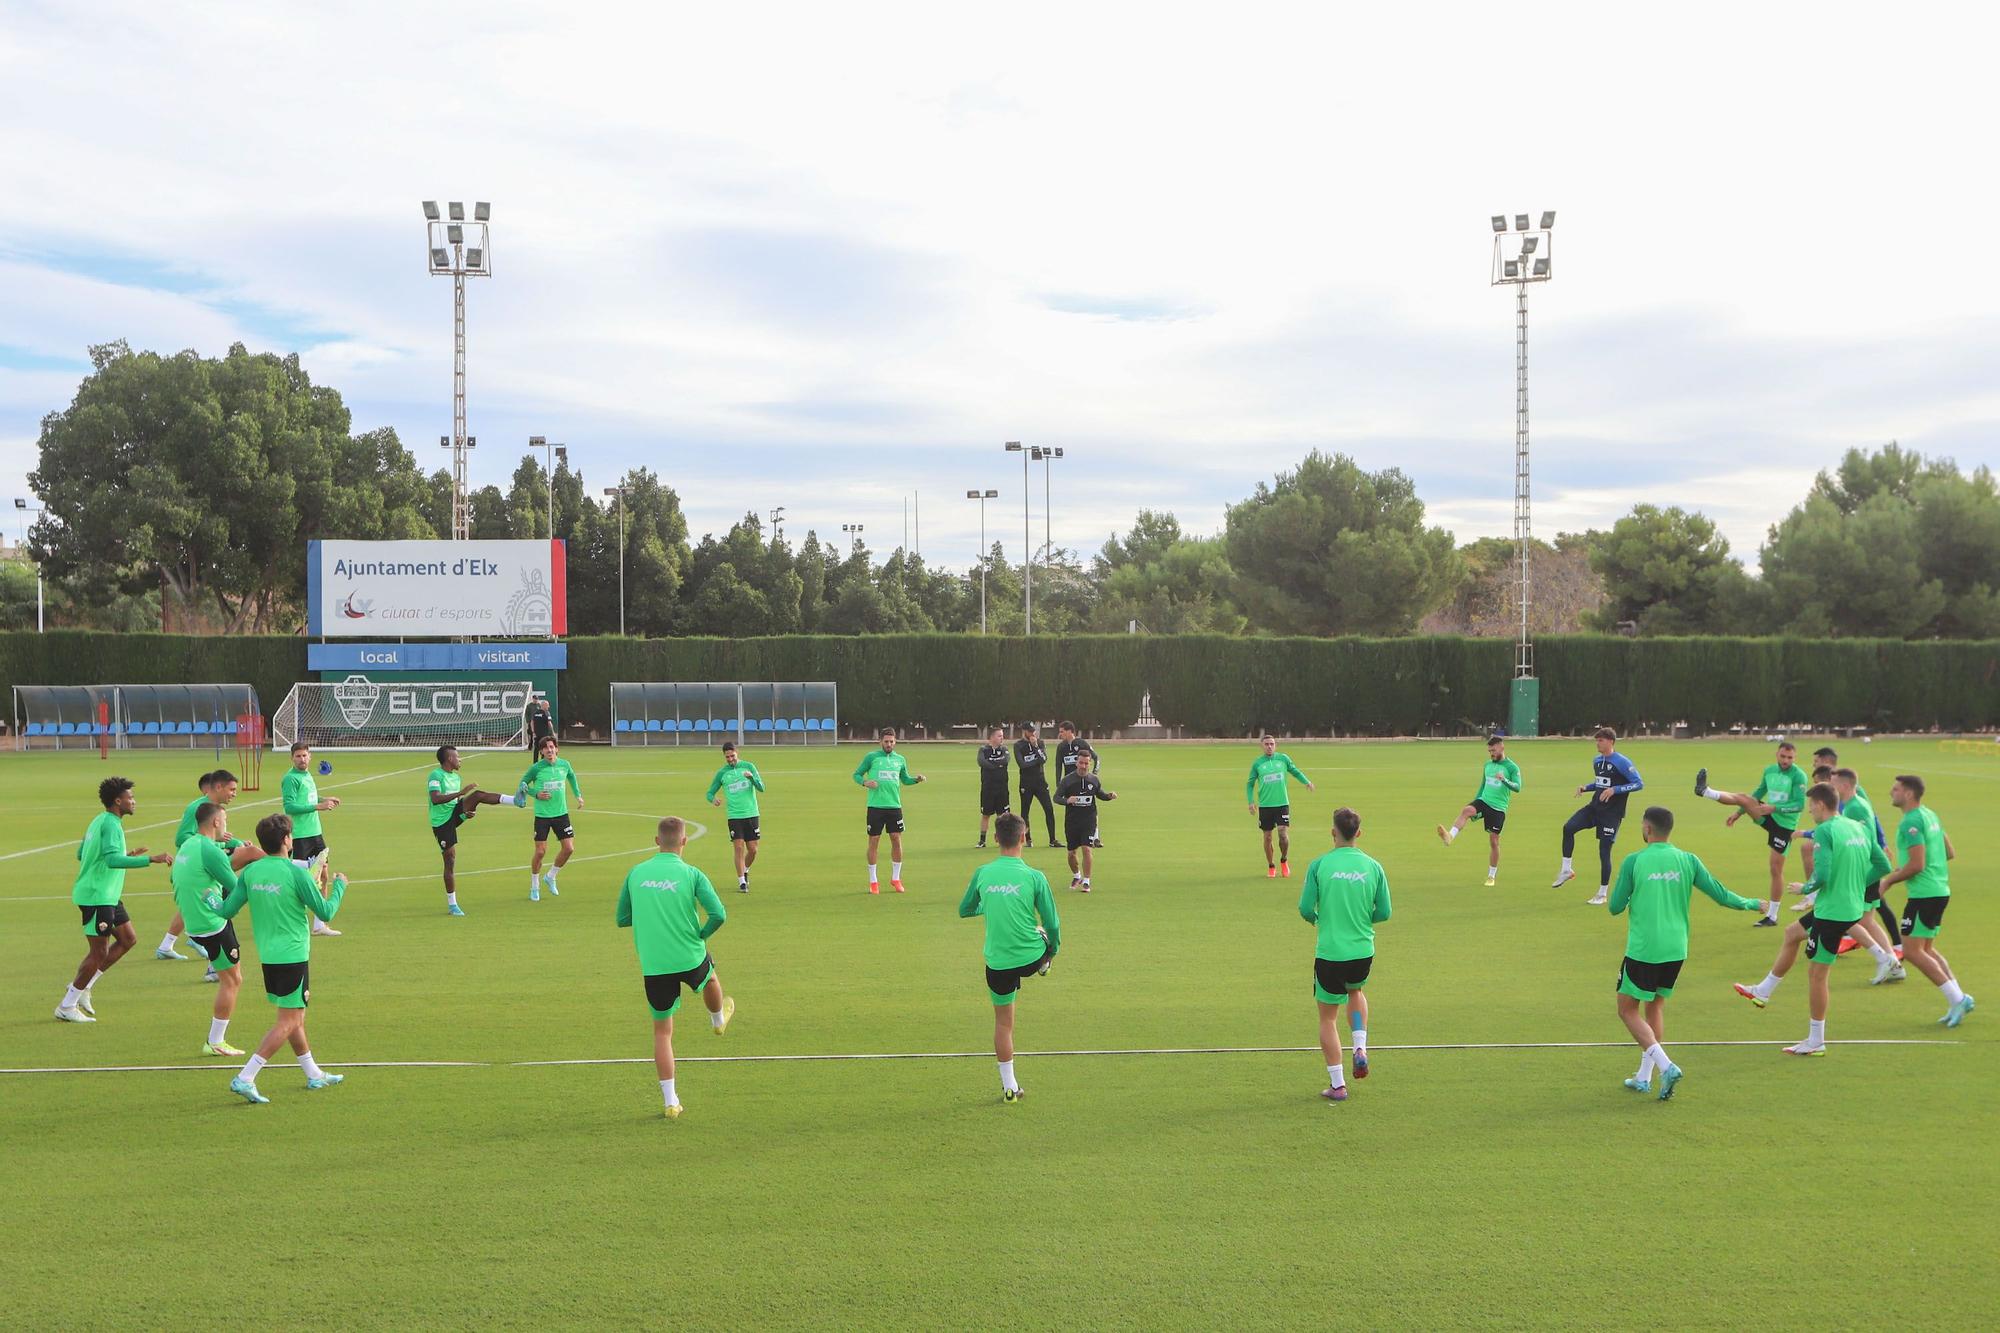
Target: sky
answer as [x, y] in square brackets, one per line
[827, 257]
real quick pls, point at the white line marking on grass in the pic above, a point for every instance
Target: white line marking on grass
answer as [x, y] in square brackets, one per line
[224, 1065]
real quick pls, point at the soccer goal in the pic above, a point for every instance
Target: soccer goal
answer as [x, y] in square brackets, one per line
[135, 717]
[362, 714]
[758, 712]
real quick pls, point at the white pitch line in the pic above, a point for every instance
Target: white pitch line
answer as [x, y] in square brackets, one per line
[968, 1055]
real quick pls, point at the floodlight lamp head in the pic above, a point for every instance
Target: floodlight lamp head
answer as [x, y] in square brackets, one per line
[972, 495]
[482, 212]
[1013, 446]
[1520, 222]
[444, 441]
[475, 257]
[471, 441]
[992, 495]
[1528, 246]
[562, 453]
[455, 234]
[457, 211]
[1499, 222]
[1059, 452]
[431, 209]
[1511, 269]
[1548, 219]
[440, 258]
[19, 503]
[537, 441]
[1542, 267]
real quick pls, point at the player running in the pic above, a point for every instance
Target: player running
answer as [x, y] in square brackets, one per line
[1775, 807]
[283, 898]
[1023, 934]
[1499, 779]
[1612, 782]
[1031, 760]
[1079, 794]
[218, 788]
[551, 781]
[1926, 852]
[299, 798]
[208, 895]
[1270, 799]
[1880, 940]
[739, 781]
[885, 773]
[658, 903]
[99, 892]
[1656, 883]
[449, 801]
[992, 779]
[1346, 895]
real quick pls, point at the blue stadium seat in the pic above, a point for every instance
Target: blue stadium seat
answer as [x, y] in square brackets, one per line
[659, 724]
[149, 728]
[183, 728]
[826, 724]
[621, 724]
[67, 729]
[796, 724]
[701, 724]
[763, 724]
[35, 728]
[685, 725]
[812, 724]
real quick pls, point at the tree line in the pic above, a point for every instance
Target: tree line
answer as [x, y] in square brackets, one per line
[179, 492]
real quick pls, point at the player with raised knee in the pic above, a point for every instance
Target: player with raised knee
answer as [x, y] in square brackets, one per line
[550, 781]
[672, 909]
[1346, 895]
[1023, 934]
[449, 802]
[1613, 780]
[1775, 807]
[1499, 779]
[739, 782]
[299, 799]
[1927, 852]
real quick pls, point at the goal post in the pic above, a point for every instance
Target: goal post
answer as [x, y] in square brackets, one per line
[363, 714]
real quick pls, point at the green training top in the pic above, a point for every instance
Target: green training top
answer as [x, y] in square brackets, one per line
[890, 772]
[1784, 790]
[1346, 894]
[1846, 860]
[1268, 775]
[283, 901]
[1920, 828]
[1860, 811]
[299, 795]
[658, 902]
[1657, 882]
[189, 828]
[442, 783]
[102, 863]
[551, 783]
[740, 782]
[1498, 781]
[1014, 898]
[205, 888]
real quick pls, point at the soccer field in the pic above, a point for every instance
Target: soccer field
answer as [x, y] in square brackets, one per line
[497, 1155]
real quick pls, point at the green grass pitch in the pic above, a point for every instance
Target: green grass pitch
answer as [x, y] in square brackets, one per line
[1462, 1184]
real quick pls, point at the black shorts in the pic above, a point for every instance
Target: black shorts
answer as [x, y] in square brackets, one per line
[288, 985]
[1925, 912]
[447, 832]
[1274, 816]
[559, 825]
[1648, 981]
[884, 819]
[1780, 837]
[992, 798]
[222, 949]
[745, 830]
[1872, 894]
[1494, 820]
[305, 849]
[104, 920]
[1823, 937]
[1604, 816]
[1007, 980]
[663, 990]
[1334, 978]
[1080, 830]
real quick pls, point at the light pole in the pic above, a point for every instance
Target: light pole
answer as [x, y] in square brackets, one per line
[619, 491]
[778, 523]
[553, 453]
[1522, 256]
[982, 497]
[1045, 456]
[21, 508]
[853, 531]
[1027, 546]
[459, 262]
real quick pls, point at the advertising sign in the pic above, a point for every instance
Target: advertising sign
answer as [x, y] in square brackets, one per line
[436, 589]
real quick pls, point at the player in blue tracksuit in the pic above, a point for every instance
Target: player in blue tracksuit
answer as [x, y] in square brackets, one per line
[1613, 779]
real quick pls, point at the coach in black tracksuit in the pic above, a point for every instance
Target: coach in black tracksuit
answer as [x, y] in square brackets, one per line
[1033, 761]
[992, 779]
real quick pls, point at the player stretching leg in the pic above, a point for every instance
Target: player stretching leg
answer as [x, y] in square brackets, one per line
[299, 798]
[1023, 933]
[739, 781]
[658, 903]
[1656, 884]
[1498, 781]
[99, 893]
[885, 773]
[992, 779]
[283, 898]
[1927, 850]
[1079, 794]
[1346, 896]
[1775, 807]
[449, 801]
[208, 894]
[551, 781]
[1269, 797]
[1613, 780]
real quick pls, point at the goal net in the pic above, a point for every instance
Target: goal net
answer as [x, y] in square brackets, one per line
[363, 714]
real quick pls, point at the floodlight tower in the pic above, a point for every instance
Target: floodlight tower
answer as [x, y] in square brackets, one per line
[1045, 457]
[1522, 256]
[450, 255]
[982, 497]
[1027, 545]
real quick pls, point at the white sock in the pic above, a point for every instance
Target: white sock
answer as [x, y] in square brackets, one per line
[1451, 835]
[1952, 991]
[1658, 1055]
[1816, 1032]
[667, 1092]
[1710, 794]
[715, 1020]
[1882, 955]
[452, 898]
[550, 875]
[1771, 909]
[895, 870]
[1360, 1039]
[303, 865]
[1645, 1073]
[1566, 864]
[872, 878]
[167, 941]
[509, 800]
[1335, 1077]
[1007, 1076]
[92, 983]
[534, 882]
[310, 1065]
[1492, 872]
[1768, 984]
[1086, 879]
[217, 1029]
[250, 1068]
[70, 997]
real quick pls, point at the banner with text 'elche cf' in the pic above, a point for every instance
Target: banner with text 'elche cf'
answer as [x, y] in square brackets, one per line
[436, 589]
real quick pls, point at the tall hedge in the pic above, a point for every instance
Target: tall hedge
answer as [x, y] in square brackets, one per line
[1204, 684]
